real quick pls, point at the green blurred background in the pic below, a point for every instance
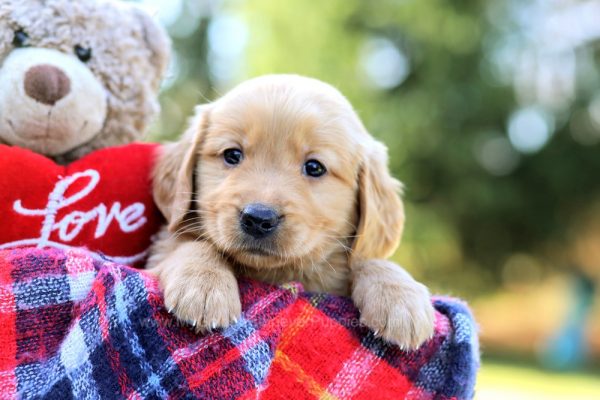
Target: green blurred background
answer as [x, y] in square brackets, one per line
[491, 112]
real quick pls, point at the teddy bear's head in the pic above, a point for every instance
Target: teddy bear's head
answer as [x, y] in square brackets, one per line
[76, 76]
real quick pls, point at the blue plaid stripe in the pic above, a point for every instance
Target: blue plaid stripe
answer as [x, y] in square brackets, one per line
[37, 376]
[42, 292]
[455, 355]
[259, 357]
[75, 358]
[126, 293]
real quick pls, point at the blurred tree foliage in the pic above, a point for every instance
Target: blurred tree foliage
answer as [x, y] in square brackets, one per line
[463, 221]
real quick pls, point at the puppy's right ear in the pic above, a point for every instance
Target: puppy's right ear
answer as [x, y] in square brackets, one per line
[173, 176]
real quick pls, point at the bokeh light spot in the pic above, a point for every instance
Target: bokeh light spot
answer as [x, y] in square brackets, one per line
[497, 156]
[529, 129]
[227, 40]
[384, 64]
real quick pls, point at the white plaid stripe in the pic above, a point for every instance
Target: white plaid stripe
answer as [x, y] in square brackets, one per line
[353, 374]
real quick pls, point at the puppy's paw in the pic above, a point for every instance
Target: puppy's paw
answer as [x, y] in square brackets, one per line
[398, 310]
[208, 300]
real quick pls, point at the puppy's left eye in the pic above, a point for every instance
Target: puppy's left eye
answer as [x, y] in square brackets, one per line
[314, 168]
[233, 156]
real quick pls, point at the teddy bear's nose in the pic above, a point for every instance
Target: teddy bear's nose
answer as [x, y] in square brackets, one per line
[47, 84]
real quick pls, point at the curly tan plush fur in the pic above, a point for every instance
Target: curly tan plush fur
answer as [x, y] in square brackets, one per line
[129, 56]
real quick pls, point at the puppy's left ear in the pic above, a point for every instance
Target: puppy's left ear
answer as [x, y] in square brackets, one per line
[381, 212]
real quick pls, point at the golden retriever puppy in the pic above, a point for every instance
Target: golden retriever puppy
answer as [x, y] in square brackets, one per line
[279, 181]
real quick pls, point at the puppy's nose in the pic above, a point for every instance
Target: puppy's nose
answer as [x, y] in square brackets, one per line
[47, 84]
[259, 220]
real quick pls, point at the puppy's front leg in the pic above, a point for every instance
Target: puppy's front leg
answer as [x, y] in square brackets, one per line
[199, 286]
[392, 303]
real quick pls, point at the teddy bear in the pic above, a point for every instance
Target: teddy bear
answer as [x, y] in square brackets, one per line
[79, 83]
[77, 76]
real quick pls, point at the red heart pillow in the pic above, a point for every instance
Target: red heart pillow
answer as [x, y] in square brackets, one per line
[102, 202]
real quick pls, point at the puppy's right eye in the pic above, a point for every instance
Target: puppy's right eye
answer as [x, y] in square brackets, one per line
[20, 39]
[233, 156]
[314, 168]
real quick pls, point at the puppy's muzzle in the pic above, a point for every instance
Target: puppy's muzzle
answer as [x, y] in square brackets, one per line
[259, 220]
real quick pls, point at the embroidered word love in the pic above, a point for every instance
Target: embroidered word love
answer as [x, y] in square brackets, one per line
[128, 219]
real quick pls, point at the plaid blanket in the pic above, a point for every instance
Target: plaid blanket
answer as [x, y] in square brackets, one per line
[75, 327]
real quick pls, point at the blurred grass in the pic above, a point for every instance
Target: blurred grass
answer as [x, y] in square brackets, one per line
[501, 381]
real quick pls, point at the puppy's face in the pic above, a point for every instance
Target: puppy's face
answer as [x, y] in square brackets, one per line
[285, 174]
[277, 176]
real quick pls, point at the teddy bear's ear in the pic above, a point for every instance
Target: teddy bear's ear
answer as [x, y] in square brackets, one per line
[157, 41]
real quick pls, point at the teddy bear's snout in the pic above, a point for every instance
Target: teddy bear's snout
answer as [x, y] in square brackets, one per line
[47, 84]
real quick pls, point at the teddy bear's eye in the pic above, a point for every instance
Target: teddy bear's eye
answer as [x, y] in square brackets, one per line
[83, 53]
[21, 38]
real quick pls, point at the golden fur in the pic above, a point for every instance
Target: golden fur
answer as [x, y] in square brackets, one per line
[337, 229]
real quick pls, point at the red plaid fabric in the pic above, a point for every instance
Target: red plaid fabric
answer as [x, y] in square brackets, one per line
[75, 327]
